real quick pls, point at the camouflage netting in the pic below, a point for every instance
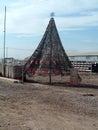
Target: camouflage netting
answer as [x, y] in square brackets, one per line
[50, 55]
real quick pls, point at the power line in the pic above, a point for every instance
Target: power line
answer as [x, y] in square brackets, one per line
[18, 49]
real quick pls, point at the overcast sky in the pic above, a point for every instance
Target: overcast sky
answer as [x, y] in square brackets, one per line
[76, 21]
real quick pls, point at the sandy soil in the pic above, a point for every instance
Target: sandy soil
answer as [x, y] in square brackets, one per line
[34, 106]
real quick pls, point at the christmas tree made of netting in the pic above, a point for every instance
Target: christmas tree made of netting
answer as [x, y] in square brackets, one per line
[49, 56]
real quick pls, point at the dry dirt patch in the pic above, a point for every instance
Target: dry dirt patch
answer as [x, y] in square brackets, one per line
[44, 107]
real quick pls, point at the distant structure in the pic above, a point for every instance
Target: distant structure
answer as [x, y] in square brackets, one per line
[50, 56]
[13, 68]
[85, 62]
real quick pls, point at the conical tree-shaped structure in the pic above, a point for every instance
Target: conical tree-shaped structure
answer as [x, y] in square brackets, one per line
[50, 56]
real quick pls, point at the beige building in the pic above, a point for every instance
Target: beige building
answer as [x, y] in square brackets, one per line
[85, 61]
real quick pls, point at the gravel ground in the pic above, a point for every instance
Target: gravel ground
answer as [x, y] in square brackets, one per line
[33, 106]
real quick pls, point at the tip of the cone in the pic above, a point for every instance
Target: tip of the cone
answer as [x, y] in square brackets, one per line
[51, 18]
[52, 14]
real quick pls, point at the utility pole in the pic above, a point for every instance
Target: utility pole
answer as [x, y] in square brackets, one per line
[4, 43]
[6, 52]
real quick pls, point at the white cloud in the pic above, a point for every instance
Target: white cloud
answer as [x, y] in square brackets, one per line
[89, 41]
[91, 20]
[32, 16]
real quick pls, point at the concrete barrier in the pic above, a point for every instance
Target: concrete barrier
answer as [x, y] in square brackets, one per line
[12, 71]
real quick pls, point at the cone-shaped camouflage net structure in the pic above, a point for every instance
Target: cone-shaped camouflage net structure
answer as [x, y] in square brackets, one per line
[50, 56]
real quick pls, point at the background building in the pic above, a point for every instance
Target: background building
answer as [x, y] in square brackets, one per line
[85, 61]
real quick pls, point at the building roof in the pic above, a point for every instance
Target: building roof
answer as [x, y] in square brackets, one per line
[84, 54]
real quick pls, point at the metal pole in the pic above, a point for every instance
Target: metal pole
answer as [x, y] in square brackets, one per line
[22, 74]
[4, 43]
[50, 65]
[6, 52]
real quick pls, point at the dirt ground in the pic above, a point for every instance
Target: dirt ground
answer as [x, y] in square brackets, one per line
[34, 106]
